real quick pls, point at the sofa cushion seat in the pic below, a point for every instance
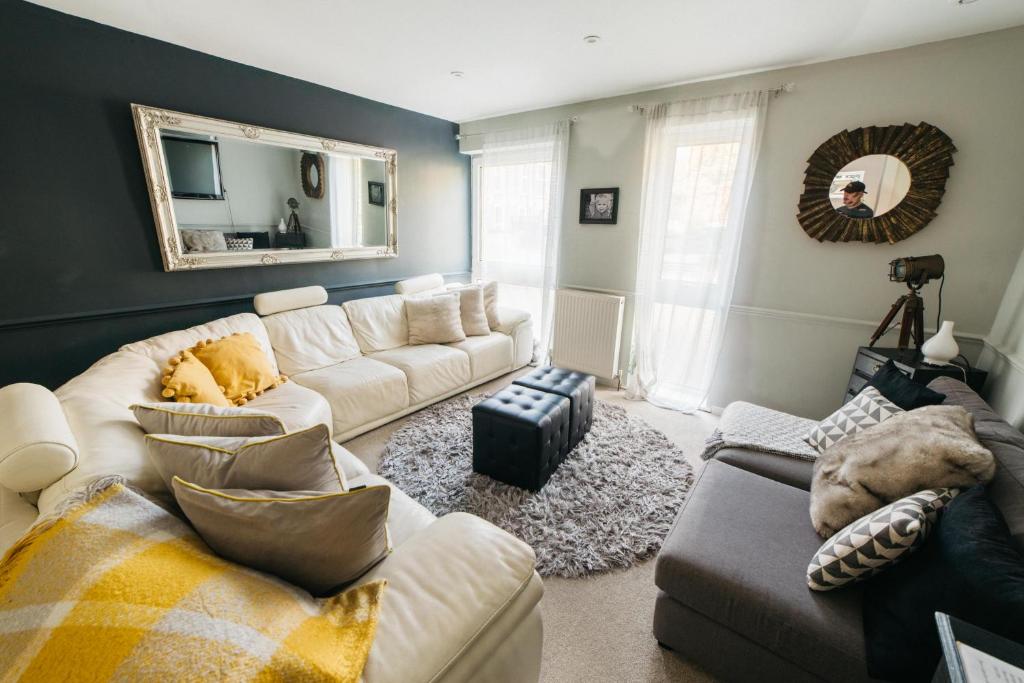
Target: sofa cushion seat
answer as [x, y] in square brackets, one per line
[447, 588]
[311, 338]
[406, 517]
[487, 354]
[360, 391]
[298, 407]
[430, 369]
[738, 554]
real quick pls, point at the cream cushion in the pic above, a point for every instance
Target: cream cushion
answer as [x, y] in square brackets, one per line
[434, 320]
[490, 289]
[378, 323]
[311, 338]
[360, 391]
[299, 461]
[315, 540]
[487, 355]
[38, 446]
[269, 303]
[471, 308]
[430, 369]
[203, 419]
[162, 348]
[297, 406]
[420, 285]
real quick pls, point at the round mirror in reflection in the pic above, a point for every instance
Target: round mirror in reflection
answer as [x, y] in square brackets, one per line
[869, 186]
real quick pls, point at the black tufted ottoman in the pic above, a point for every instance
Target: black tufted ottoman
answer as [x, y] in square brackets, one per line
[520, 436]
[578, 387]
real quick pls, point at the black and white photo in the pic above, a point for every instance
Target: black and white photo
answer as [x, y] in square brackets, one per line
[599, 205]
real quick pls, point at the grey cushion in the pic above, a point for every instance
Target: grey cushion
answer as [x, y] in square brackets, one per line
[1007, 445]
[205, 419]
[738, 555]
[781, 468]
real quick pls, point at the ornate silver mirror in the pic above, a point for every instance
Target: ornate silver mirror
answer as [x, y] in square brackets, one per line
[229, 194]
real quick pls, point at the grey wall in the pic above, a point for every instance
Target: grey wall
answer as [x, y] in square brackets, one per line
[79, 264]
[801, 307]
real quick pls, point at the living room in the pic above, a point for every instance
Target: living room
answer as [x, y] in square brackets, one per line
[604, 317]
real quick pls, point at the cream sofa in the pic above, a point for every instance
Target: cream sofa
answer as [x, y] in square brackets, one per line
[462, 599]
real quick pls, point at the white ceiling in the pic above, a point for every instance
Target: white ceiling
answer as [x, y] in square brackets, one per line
[528, 54]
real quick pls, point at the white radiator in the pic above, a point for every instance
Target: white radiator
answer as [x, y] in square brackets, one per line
[587, 332]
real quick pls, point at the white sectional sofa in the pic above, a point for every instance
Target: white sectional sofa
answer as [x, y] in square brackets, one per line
[462, 599]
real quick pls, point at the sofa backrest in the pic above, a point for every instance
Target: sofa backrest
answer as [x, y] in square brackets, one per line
[162, 347]
[311, 338]
[1007, 445]
[110, 440]
[378, 323]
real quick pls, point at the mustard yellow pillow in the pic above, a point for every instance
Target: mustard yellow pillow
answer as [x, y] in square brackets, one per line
[239, 365]
[187, 380]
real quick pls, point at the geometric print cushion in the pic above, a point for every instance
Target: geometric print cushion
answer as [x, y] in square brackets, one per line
[865, 410]
[118, 588]
[877, 540]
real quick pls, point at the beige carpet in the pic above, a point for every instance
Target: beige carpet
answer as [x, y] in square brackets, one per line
[598, 628]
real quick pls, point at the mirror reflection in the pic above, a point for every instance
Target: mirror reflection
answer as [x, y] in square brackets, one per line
[869, 186]
[240, 195]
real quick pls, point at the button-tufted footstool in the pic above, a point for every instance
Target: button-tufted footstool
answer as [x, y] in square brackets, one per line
[520, 436]
[578, 387]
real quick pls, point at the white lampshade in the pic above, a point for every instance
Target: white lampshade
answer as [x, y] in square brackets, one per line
[941, 348]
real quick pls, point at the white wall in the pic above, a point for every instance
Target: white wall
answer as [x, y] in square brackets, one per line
[258, 179]
[802, 307]
[1003, 355]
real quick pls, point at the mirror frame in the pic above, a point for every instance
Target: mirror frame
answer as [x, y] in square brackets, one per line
[928, 155]
[149, 122]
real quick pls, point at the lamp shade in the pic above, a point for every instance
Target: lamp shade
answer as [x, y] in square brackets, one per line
[941, 348]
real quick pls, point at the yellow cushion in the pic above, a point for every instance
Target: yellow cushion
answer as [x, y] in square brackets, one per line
[187, 380]
[118, 588]
[239, 364]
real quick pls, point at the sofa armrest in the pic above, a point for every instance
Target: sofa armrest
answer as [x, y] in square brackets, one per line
[511, 318]
[17, 515]
[446, 586]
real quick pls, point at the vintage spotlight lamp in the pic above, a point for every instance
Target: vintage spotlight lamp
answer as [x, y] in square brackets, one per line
[916, 272]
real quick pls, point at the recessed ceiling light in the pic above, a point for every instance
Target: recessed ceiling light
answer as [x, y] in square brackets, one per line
[456, 74]
[962, 2]
[591, 40]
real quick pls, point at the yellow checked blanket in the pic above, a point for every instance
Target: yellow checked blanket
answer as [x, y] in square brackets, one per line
[117, 588]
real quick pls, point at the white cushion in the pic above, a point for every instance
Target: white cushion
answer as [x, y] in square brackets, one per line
[472, 311]
[487, 355]
[420, 285]
[430, 369]
[297, 406]
[38, 447]
[360, 391]
[434, 319]
[310, 338]
[162, 347]
[446, 586]
[268, 303]
[378, 322]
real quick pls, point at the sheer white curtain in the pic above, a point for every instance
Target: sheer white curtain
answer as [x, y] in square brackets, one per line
[520, 194]
[699, 163]
[345, 182]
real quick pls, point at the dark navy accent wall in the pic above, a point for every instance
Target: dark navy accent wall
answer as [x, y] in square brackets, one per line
[79, 264]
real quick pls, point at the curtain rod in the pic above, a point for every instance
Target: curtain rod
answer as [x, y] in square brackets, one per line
[459, 136]
[774, 92]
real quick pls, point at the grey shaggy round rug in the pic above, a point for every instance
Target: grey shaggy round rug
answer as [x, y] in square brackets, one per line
[609, 505]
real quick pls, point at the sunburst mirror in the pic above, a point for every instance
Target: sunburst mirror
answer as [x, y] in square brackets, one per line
[879, 184]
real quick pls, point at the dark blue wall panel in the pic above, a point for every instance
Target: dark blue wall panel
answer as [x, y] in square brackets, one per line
[79, 265]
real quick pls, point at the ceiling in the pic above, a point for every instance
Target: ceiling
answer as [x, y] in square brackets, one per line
[529, 54]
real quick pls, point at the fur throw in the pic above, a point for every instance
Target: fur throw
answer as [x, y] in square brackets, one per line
[931, 447]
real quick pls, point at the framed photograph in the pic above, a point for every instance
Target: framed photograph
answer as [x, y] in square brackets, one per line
[599, 205]
[376, 192]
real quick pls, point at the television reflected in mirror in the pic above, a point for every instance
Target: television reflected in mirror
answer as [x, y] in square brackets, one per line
[869, 186]
[227, 194]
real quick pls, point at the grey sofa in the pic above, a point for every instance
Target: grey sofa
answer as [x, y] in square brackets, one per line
[732, 596]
